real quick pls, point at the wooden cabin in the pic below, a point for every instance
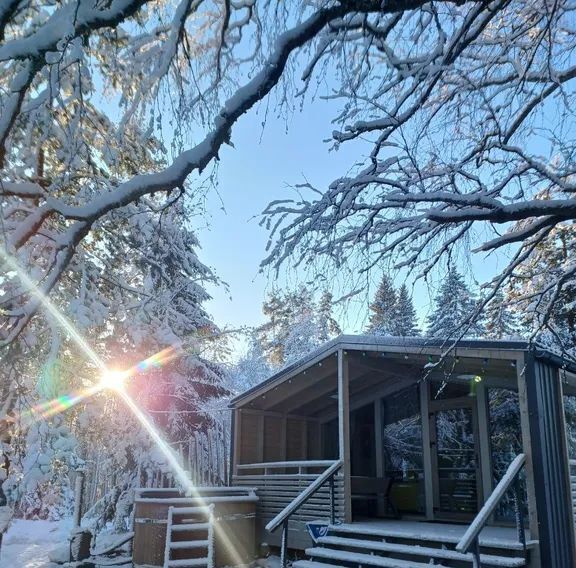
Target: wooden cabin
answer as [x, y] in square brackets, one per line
[413, 451]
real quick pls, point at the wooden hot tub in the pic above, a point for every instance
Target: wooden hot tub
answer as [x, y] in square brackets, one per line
[234, 523]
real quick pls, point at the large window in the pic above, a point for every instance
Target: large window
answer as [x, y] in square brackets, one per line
[505, 442]
[570, 414]
[402, 440]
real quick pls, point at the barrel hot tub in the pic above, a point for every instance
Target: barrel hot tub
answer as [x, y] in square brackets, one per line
[234, 517]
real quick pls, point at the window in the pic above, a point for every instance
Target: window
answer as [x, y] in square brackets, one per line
[402, 440]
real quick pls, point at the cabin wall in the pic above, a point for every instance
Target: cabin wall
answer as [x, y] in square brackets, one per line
[263, 436]
[549, 462]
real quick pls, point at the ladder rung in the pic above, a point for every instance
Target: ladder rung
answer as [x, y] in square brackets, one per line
[187, 563]
[187, 544]
[191, 527]
[190, 510]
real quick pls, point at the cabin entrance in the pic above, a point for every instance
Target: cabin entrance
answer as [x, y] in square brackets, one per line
[454, 451]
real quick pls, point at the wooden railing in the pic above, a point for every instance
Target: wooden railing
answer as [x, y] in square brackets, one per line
[470, 540]
[279, 483]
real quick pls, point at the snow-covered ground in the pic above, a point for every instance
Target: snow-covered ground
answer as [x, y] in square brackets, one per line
[28, 543]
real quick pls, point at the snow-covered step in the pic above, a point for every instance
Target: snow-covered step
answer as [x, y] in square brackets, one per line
[359, 559]
[191, 527]
[188, 544]
[437, 536]
[311, 564]
[417, 550]
[188, 563]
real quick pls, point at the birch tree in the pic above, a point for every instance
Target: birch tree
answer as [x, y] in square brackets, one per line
[467, 117]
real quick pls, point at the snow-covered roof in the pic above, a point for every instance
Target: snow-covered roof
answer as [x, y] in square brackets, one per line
[424, 345]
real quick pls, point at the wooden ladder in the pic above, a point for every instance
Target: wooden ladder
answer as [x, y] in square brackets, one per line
[189, 532]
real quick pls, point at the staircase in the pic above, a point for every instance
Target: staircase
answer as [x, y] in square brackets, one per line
[189, 537]
[355, 546]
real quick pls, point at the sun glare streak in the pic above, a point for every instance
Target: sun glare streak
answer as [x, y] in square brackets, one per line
[163, 446]
[113, 380]
[52, 309]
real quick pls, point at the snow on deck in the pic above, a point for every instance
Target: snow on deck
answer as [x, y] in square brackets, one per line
[28, 543]
[444, 532]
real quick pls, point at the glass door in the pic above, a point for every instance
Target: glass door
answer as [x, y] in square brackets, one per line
[455, 461]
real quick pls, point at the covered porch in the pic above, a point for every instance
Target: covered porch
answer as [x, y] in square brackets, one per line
[423, 437]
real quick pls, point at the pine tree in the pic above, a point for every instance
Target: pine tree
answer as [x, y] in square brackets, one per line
[405, 324]
[501, 322]
[454, 308]
[383, 308]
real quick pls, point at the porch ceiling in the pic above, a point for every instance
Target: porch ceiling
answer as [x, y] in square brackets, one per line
[313, 391]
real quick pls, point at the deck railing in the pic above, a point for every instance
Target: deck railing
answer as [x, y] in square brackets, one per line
[283, 517]
[573, 487]
[295, 491]
[471, 538]
[279, 483]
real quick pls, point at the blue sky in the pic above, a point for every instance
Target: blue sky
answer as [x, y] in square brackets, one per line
[259, 169]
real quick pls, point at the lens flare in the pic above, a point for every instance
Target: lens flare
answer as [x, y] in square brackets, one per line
[57, 405]
[114, 380]
[65, 402]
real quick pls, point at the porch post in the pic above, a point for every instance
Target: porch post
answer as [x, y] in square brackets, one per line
[484, 440]
[426, 450]
[527, 447]
[344, 429]
[379, 442]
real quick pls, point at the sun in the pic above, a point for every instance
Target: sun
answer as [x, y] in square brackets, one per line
[113, 380]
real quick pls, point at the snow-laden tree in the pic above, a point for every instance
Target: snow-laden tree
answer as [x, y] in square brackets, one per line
[383, 308]
[464, 111]
[328, 327]
[296, 324]
[500, 321]
[553, 311]
[252, 368]
[405, 323]
[449, 98]
[454, 313]
[392, 311]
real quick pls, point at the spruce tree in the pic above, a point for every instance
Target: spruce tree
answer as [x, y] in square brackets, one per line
[405, 324]
[328, 327]
[501, 322]
[454, 309]
[383, 308]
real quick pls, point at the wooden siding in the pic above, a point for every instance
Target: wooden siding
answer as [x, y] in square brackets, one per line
[272, 436]
[277, 491]
[295, 439]
[250, 446]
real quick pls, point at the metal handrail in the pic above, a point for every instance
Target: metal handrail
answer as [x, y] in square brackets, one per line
[470, 539]
[283, 517]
